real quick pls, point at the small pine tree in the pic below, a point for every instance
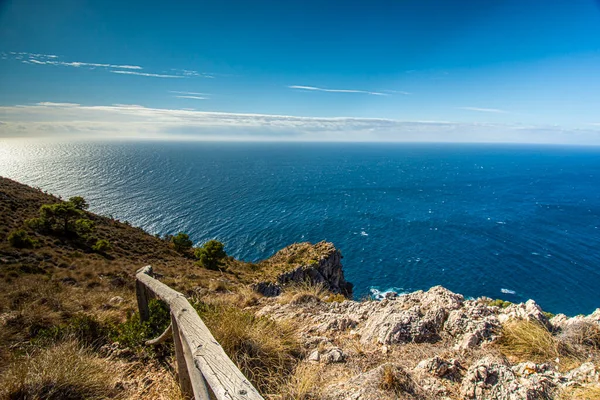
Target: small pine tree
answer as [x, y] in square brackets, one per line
[181, 242]
[59, 214]
[210, 255]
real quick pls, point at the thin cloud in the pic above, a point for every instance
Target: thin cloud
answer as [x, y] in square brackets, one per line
[51, 104]
[192, 97]
[318, 89]
[189, 93]
[125, 69]
[146, 74]
[487, 110]
[398, 92]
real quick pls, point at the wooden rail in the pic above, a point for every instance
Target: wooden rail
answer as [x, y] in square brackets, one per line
[204, 370]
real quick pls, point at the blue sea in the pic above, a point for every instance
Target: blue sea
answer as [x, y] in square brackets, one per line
[504, 221]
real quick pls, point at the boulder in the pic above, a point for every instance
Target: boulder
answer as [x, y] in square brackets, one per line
[492, 378]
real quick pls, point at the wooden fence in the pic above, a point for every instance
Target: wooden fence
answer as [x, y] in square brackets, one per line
[204, 370]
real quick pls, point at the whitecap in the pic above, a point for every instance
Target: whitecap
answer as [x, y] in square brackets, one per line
[508, 291]
[363, 233]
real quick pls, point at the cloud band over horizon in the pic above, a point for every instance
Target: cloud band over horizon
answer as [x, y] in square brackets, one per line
[70, 120]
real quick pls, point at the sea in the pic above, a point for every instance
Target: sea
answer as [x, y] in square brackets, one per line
[505, 221]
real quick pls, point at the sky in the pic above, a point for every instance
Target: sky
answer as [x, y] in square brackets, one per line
[525, 71]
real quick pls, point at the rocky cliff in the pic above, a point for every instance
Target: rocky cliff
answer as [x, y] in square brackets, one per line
[303, 263]
[436, 344]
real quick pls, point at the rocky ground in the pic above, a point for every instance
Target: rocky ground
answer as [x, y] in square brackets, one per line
[436, 344]
[460, 339]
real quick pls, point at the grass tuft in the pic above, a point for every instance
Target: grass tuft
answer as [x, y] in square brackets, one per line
[61, 372]
[265, 351]
[528, 340]
[397, 380]
[304, 292]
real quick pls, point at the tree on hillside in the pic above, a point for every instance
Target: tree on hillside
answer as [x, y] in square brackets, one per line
[61, 214]
[79, 203]
[210, 255]
[64, 216]
[181, 242]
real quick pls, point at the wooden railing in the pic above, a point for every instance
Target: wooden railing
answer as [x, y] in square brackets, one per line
[204, 370]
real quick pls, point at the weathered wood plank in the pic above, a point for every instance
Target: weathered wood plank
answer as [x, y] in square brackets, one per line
[221, 374]
[183, 374]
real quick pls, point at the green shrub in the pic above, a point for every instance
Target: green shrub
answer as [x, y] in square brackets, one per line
[84, 226]
[499, 303]
[133, 333]
[210, 255]
[37, 224]
[21, 239]
[181, 242]
[101, 245]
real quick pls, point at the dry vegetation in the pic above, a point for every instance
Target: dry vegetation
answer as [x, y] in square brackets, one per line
[523, 340]
[62, 300]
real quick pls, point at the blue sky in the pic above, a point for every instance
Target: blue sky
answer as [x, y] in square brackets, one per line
[522, 71]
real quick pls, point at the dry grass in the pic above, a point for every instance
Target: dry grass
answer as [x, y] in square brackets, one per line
[305, 383]
[580, 393]
[396, 380]
[531, 341]
[583, 337]
[528, 341]
[265, 351]
[245, 297]
[151, 381]
[304, 292]
[61, 372]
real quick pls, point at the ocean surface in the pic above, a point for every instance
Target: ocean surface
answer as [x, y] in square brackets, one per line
[510, 222]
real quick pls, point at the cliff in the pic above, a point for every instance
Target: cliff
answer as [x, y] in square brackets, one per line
[437, 344]
[303, 263]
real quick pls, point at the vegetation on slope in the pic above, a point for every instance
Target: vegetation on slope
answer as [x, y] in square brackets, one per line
[67, 294]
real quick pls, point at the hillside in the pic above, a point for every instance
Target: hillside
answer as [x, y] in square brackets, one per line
[69, 327]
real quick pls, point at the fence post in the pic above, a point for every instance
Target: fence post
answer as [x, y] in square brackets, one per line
[182, 372]
[141, 294]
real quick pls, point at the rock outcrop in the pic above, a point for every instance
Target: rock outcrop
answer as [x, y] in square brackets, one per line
[302, 263]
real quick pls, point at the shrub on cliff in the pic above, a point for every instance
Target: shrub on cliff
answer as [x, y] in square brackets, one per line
[181, 242]
[21, 239]
[101, 246]
[210, 255]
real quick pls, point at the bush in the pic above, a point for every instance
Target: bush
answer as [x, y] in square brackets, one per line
[101, 245]
[21, 239]
[84, 226]
[499, 303]
[134, 332]
[181, 242]
[84, 328]
[211, 254]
